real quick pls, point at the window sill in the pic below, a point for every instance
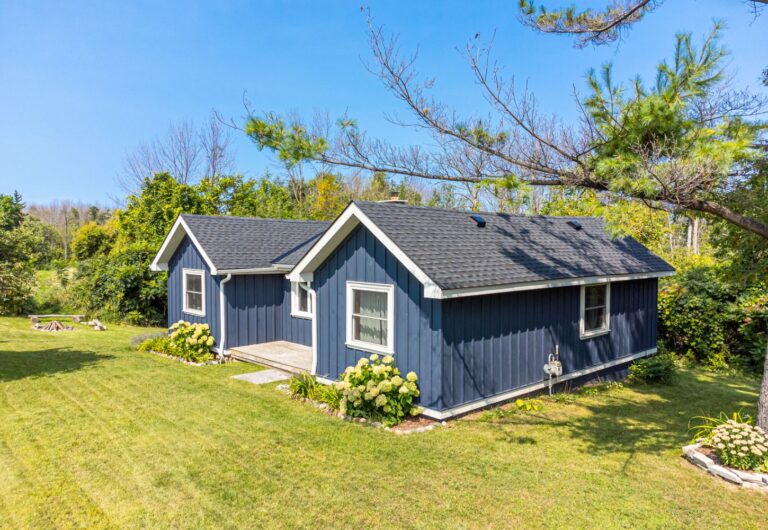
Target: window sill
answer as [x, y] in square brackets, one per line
[193, 313]
[592, 334]
[370, 348]
[306, 316]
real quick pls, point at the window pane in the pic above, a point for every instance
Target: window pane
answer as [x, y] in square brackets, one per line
[594, 319]
[195, 283]
[594, 295]
[195, 301]
[369, 330]
[303, 300]
[370, 303]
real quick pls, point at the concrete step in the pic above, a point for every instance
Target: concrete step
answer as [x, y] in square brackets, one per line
[271, 363]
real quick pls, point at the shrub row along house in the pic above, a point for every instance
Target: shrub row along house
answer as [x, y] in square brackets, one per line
[474, 303]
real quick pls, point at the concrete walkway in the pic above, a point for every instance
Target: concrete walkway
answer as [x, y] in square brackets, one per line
[263, 377]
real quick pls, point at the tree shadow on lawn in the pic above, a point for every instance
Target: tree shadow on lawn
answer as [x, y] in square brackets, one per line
[658, 420]
[17, 364]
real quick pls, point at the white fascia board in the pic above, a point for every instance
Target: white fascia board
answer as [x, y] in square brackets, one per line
[547, 284]
[171, 243]
[275, 269]
[335, 235]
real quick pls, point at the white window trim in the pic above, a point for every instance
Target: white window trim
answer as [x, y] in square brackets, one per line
[596, 333]
[367, 346]
[185, 309]
[295, 312]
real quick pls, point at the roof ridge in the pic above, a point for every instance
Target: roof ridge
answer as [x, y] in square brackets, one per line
[243, 217]
[470, 212]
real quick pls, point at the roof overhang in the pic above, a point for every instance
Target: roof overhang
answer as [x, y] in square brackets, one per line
[172, 241]
[549, 284]
[353, 216]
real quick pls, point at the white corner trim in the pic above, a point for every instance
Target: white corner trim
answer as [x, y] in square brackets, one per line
[583, 335]
[313, 301]
[547, 284]
[335, 235]
[184, 308]
[506, 396]
[351, 342]
[171, 243]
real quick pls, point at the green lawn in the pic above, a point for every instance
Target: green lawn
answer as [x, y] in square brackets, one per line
[93, 434]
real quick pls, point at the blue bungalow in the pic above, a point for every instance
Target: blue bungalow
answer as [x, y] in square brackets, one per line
[475, 303]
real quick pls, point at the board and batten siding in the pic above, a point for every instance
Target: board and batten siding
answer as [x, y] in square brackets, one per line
[188, 257]
[498, 343]
[258, 306]
[259, 310]
[418, 321]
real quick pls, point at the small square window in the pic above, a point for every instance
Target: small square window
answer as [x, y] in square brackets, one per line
[370, 314]
[595, 310]
[301, 305]
[194, 292]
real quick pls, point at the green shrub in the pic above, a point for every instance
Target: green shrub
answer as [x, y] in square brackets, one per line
[303, 385]
[375, 390]
[692, 316]
[657, 369]
[191, 342]
[528, 405]
[156, 344]
[329, 395]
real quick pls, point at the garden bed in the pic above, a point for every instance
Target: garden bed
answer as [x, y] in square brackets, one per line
[410, 425]
[217, 360]
[707, 459]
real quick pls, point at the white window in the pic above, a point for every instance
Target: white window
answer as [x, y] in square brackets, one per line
[595, 309]
[370, 317]
[194, 292]
[301, 305]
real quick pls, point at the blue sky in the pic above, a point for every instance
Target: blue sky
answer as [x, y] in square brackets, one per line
[83, 83]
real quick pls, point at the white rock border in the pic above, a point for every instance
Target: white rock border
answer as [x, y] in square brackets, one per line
[745, 479]
[377, 424]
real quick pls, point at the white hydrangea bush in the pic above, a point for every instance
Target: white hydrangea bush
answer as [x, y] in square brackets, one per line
[740, 445]
[192, 342]
[374, 389]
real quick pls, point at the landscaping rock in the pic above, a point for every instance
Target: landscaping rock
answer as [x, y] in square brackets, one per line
[727, 474]
[748, 476]
[700, 459]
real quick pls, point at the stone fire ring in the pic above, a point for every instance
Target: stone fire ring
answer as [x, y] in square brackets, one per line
[745, 479]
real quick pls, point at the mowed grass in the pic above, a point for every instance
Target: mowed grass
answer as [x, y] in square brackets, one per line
[94, 434]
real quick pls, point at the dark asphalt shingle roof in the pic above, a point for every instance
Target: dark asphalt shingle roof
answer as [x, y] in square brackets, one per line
[250, 242]
[455, 253]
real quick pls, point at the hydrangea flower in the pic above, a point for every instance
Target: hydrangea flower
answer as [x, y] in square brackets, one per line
[411, 377]
[388, 359]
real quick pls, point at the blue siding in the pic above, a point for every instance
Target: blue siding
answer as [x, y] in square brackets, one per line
[418, 321]
[497, 343]
[187, 257]
[259, 310]
[466, 349]
[258, 306]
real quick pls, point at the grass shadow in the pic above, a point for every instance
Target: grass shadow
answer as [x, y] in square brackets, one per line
[641, 419]
[20, 364]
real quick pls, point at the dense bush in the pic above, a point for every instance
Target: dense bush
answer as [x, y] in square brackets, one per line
[375, 390]
[658, 369]
[709, 320]
[121, 287]
[191, 342]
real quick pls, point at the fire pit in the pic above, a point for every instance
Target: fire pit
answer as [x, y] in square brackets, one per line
[53, 325]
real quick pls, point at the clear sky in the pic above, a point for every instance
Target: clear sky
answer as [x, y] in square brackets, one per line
[83, 83]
